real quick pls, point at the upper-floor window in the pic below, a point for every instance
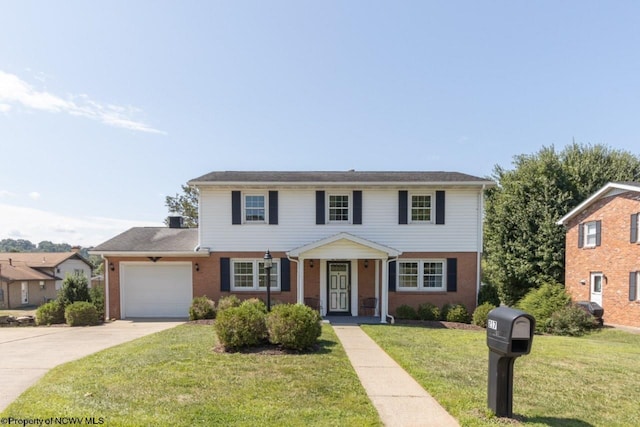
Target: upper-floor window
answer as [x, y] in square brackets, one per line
[254, 208]
[421, 207]
[422, 275]
[635, 226]
[250, 275]
[589, 234]
[338, 208]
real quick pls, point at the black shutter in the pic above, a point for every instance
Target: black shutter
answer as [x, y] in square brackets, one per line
[320, 207]
[598, 233]
[236, 207]
[634, 228]
[285, 275]
[273, 207]
[403, 204]
[452, 274]
[357, 207]
[580, 235]
[225, 274]
[392, 276]
[440, 203]
[633, 286]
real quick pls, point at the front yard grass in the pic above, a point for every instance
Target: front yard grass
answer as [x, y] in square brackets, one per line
[587, 381]
[175, 378]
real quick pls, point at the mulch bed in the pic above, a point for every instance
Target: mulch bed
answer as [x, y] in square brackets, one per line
[437, 324]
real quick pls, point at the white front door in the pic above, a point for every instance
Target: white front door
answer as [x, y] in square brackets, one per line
[339, 287]
[25, 292]
[596, 288]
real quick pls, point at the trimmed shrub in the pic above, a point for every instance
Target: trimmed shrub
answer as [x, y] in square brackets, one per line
[81, 313]
[75, 287]
[406, 312]
[51, 313]
[96, 294]
[428, 311]
[458, 313]
[489, 293]
[202, 308]
[481, 313]
[541, 303]
[256, 304]
[242, 326]
[571, 321]
[444, 311]
[228, 302]
[294, 326]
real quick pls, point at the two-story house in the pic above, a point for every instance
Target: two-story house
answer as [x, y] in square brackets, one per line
[603, 252]
[336, 238]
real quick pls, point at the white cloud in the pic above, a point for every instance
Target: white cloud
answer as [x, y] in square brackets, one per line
[16, 92]
[34, 195]
[37, 225]
[6, 193]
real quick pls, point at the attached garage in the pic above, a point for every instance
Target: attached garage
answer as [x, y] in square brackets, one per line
[160, 289]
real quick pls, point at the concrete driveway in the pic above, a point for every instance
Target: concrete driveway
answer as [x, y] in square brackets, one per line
[26, 353]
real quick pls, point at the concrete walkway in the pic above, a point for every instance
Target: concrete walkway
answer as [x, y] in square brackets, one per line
[399, 399]
[29, 353]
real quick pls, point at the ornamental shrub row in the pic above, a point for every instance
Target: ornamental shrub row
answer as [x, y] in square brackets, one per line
[427, 311]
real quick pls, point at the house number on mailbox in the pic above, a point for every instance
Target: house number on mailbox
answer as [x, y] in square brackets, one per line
[492, 324]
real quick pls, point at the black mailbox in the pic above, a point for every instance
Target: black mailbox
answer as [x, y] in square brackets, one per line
[509, 336]
[510, 331]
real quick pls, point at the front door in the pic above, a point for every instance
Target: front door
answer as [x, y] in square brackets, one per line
[25, 292]
[596, 288]
[339, 287]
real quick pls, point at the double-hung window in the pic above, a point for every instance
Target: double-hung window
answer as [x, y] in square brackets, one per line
[421, 207]
[254, 208]
[422, 275]
[250, 275]
[338, 208]
[590, 234]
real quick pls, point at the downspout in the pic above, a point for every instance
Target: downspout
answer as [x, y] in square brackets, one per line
[480, 241]
[384, 312]
[107, 313]
[298, 284]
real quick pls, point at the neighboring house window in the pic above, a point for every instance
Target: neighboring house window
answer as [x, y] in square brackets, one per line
[249, 275]
[338, 208]
[421, 205]
[589, 234]
[635, 225]
[634, 277]
[254, 208]
[422, 275]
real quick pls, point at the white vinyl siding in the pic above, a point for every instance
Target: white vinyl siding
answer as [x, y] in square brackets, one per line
[297, 227]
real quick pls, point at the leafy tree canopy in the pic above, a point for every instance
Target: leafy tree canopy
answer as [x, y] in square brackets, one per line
[524, 247]
[185, 205]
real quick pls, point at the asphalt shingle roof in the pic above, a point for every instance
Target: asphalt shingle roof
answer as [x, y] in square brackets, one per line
[151, 239]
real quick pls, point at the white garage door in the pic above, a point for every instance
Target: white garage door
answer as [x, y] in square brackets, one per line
[156, 290]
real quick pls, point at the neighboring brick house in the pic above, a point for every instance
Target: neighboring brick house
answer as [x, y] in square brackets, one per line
[336, 238]
[32, 278]
[603, 252]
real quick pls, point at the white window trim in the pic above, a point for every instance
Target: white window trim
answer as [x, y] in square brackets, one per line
[410, 207]
[586, 235]
[256, 279]
[244, 207]
[349, 196]
[421, 287]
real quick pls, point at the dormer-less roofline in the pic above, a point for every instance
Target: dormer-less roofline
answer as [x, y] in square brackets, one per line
[622, 186]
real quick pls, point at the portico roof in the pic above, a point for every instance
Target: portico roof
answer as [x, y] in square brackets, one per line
[350, 238]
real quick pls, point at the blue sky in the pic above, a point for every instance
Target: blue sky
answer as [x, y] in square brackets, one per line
[107, 107]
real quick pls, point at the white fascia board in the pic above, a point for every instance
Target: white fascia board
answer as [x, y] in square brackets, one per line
[594, 197]
[358, 184]
[328, 240]
[190, 254]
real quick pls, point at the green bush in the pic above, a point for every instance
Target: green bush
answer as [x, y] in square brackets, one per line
[202, 308]
[406, 312]
[242, 326]
[50, 313]
[444, 311]
[458, 313]
[81, 313]
[541, 303]
[228, 302]
[256, 304]
[75, 287]
[294, 326]
[428, 311]
[570, 321]
[489, 293]
[481, 313]
[96, 294]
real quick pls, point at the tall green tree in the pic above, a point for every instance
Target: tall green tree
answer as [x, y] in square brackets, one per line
[185, 204]
[524, 247]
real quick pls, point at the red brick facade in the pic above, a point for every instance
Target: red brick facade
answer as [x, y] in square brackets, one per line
[616, 257]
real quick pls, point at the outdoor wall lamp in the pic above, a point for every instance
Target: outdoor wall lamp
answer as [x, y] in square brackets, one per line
[197, 266]
[111, 266]
[366, 263]
[583, 282]
[310, 263]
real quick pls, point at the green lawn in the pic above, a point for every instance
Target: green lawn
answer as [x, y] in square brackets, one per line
[175, 378]
[587, 381]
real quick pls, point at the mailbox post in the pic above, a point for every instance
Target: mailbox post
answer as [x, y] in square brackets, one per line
[509, 336]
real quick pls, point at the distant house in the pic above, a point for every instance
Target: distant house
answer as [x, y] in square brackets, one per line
[32, 278]
[337, 239]
[603, 252]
